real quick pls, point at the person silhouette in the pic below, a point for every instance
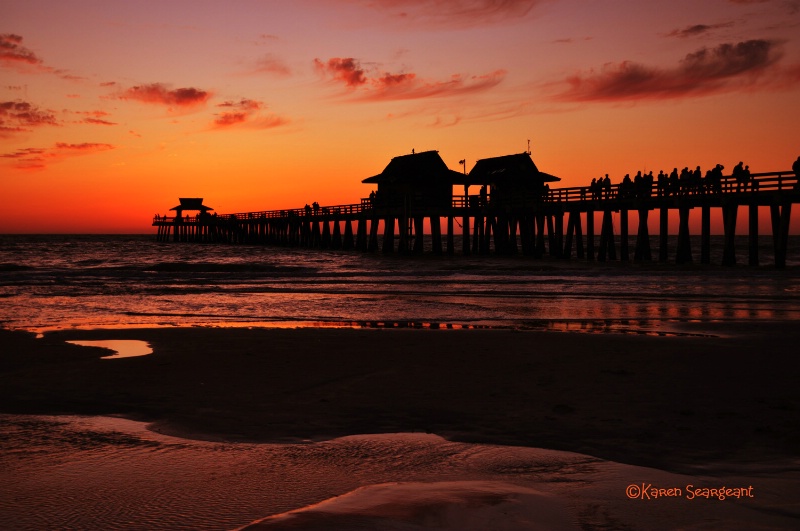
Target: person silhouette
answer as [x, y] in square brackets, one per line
[661, 184]
[796, 170]
[738, 174]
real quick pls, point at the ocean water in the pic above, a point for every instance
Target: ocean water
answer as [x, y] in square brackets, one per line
[88, 281]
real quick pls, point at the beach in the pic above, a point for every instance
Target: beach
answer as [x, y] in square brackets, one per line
[710, 400]
[298, 389]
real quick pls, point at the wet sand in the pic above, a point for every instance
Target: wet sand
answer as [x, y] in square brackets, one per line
[723, 395]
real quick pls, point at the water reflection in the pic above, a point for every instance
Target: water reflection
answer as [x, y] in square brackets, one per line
[122, 348]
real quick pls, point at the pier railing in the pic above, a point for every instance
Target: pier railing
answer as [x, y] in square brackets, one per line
[759, 183]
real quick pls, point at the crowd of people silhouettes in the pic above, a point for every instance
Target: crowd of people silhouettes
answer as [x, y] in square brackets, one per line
[679, 183]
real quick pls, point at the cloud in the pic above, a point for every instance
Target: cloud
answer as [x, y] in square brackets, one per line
[160, 94]
[346, 70]
[97, 121]
[13, 53]
[84, 147]
[39, 158]
[697, 30]
[452, 13]
[246, 112]
[95, 117]
[22, 116]
[269, 64]
[408, 86]
[725, 68]
[404, 86]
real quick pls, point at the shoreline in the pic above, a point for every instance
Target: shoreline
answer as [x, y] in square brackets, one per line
[677, 403]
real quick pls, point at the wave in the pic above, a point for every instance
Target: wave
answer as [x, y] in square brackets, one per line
[237, 267]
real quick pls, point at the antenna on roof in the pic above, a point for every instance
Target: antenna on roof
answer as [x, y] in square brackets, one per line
[529, 147]
[463, 162]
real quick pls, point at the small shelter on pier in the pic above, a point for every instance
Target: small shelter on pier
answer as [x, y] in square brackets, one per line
[509, 178]
[190, 204]
[415, 181]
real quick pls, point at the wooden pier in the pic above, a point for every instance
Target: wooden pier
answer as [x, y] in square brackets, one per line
[558, 222]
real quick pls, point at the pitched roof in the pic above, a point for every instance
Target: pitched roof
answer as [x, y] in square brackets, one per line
[517, 167]
[426, 166]
[191, 203]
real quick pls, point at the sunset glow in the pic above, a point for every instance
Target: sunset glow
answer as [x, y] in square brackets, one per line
[110, 111]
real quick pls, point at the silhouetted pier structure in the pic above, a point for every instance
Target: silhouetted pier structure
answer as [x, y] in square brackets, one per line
[515, 212]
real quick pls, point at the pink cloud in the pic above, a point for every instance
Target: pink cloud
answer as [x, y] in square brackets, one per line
[12, 52]
[452, 13]
[725, 68]
[246, 112]
[39, 158]
[85, 146]
[404, 86]
[22, 116]
[14, 55]
[346, 70]
[269, 64]
[698, 29]
[97, 121]
[160, 94]
[457, 85]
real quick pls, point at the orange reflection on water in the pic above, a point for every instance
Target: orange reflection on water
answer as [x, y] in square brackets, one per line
[122, 348]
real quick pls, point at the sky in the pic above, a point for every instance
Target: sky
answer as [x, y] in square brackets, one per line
[110, 110]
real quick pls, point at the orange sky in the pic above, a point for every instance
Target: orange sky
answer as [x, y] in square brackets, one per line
[111, 110]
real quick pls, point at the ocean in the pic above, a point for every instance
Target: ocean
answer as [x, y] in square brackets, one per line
[89, 281]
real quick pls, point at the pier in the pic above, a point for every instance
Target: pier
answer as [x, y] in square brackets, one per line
[515, 212]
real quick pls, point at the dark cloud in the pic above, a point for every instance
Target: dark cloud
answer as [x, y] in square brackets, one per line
[697, 30]
[452, 13]
[85, 146]
[22, 116]
[12, 51]
[243, 104]
[404, 86]
[246, 112]
[238, 113]
[347, 70]
[96, 114]
[27, 158]
[97, 121]
[22, 153]
[724, 68]
[159, 93]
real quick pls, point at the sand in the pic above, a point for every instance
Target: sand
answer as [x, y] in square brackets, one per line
[714, 400]
[711, 404]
